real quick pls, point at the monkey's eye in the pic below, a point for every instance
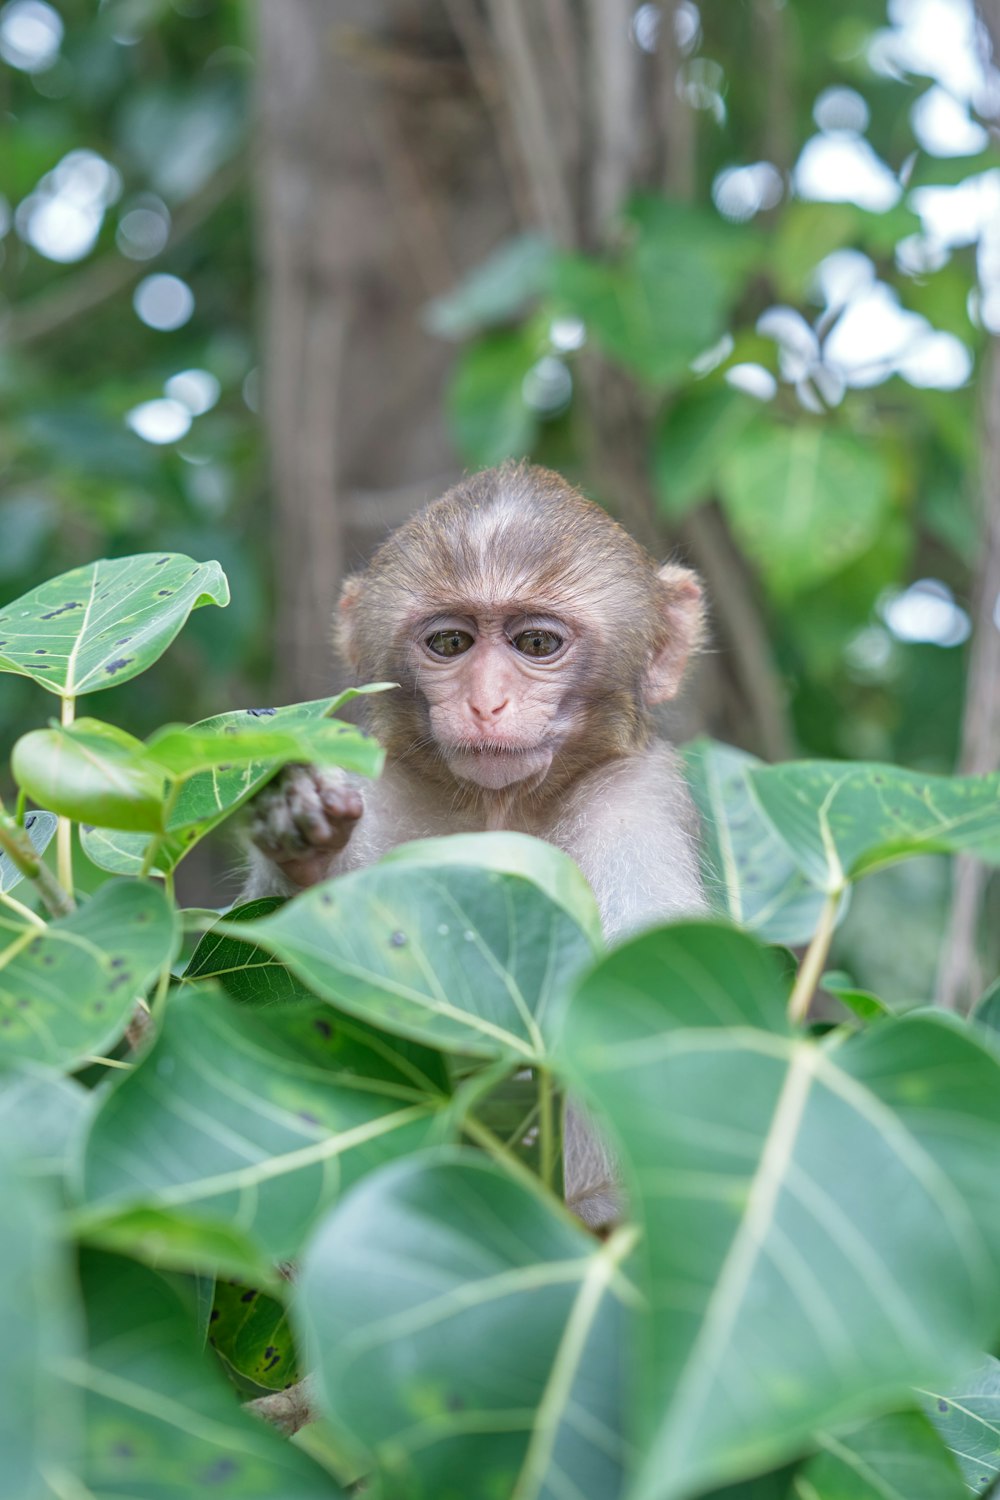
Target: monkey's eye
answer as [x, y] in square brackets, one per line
[449, 642]
[537, 642]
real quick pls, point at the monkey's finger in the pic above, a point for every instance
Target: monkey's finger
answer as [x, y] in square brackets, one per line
[341, 801]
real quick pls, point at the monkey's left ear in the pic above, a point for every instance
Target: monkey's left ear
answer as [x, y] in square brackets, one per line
[682, 612]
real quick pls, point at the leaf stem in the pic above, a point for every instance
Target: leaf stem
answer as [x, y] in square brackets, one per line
[22, 910]
[15, 842]
[546, 1127]
[814, 962]
[64, 832]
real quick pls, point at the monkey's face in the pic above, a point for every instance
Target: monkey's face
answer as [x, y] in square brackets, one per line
[498, 686]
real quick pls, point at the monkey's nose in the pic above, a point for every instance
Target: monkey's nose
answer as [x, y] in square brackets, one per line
[485, 715]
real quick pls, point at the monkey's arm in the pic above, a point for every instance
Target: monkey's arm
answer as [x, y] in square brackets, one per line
[301, 822]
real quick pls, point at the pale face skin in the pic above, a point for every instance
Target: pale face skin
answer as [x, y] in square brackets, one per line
[497, 687]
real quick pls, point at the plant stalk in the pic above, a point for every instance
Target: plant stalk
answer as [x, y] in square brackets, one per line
[546, 1127]
[64, 832]
[15, 842]
[22, 910]
[814, 962]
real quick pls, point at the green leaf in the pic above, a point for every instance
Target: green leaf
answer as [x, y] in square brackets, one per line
[804, 500]
[122, 853]
[966, 1414]
[840, 820]
[96, 773]
[462, 958]
[67, 990]
[820, 1226]
[667, 300]
[747, 870]
[468, 1334]
[251, 1332]
[161, 1419]
[252, 1118]
[246, 972]
[103, 624]
[39, 1416]
[203, 799]
[41, 1116]
[40, 828]
[897, 1457]
[174, 1239]
[494, 291]
[91, 772]
[866, 1006]
[691, 444]
[489, 418]
[549, 868]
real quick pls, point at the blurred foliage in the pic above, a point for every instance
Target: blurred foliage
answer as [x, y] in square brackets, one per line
[839, 498]
[158, 91]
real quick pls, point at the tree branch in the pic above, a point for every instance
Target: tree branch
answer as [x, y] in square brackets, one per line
[288, 1410]
[960, 976]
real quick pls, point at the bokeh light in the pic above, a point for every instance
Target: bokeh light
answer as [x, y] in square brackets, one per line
[163, 302]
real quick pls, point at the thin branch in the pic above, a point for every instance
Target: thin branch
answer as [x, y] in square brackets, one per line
[738, 615]
[614, 96]
[15, 842]
[474, 38]
[288, 1410]
[960, 976]
[540, 153]
[675, 117]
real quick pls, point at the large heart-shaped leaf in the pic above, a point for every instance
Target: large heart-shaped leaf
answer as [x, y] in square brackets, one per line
[559, 877]
[466, 959]
[40, 827]
[840, 820]
[39, 1429]
[204, 798]
[821, 1229]
[67, 990]
[747, 869]
[41, 1114]
[692, 441]
[966, 1413]
[804, 500]
[253, 1117]
[161, 1420]
[468, 1335]
[102, 624]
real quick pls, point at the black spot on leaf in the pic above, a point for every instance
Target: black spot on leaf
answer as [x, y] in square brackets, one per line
[255, 713]
[30, 820]
[399, 940]
[70, 604]
[220, 1471]
[163, 593]
[942, 1406]
[40, 651]
[324, 1028]
[249, 1296]
[160, 561]
[115, 666]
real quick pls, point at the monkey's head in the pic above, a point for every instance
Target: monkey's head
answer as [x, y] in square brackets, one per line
[529, 632]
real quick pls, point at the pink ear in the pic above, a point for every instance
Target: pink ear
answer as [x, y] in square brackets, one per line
[682, 612]
[345, 624]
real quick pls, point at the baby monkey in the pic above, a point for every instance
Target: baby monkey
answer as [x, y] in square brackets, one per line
[530, 636]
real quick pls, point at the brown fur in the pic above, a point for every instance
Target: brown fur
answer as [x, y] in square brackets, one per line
[521, 537]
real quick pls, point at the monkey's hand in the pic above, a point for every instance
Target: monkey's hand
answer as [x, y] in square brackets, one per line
[303, 818]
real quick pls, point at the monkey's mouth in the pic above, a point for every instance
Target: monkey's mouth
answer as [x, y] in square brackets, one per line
[497, 763]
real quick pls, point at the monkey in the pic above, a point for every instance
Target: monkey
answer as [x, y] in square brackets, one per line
[530, 636]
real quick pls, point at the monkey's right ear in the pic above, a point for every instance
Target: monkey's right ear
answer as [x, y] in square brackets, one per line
[345, 631]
